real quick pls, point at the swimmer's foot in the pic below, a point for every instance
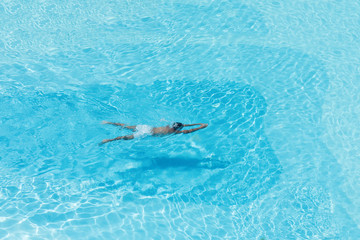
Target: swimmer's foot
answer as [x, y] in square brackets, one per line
[116, 124]
[104, 141]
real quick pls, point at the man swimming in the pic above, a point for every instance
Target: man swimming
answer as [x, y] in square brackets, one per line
[146, 130]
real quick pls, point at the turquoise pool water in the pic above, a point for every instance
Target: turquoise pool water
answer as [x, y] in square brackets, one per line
[277, 81]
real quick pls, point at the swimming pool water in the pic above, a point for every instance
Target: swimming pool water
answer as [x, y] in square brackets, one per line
[276, 81]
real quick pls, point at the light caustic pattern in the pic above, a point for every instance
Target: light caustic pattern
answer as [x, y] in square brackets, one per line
[260, 169]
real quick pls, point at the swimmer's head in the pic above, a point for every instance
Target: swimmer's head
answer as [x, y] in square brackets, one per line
[177, 126]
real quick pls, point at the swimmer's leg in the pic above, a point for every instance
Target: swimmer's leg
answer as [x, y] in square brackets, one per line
[112, 123]
[127, 137]
[133, 128]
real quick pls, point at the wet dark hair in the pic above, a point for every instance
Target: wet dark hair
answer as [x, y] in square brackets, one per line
[177, 126]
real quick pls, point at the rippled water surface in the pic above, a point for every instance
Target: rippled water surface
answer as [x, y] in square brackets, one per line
[277, 81]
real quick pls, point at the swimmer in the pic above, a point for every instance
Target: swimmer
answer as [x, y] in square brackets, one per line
[146, 130]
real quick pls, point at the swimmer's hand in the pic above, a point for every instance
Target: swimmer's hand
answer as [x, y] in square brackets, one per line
[105, 122]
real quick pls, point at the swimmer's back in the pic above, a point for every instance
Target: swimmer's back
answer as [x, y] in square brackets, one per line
[160, 131]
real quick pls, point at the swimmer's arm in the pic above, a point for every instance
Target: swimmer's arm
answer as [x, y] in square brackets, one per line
[202, 125]
[189, 125]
